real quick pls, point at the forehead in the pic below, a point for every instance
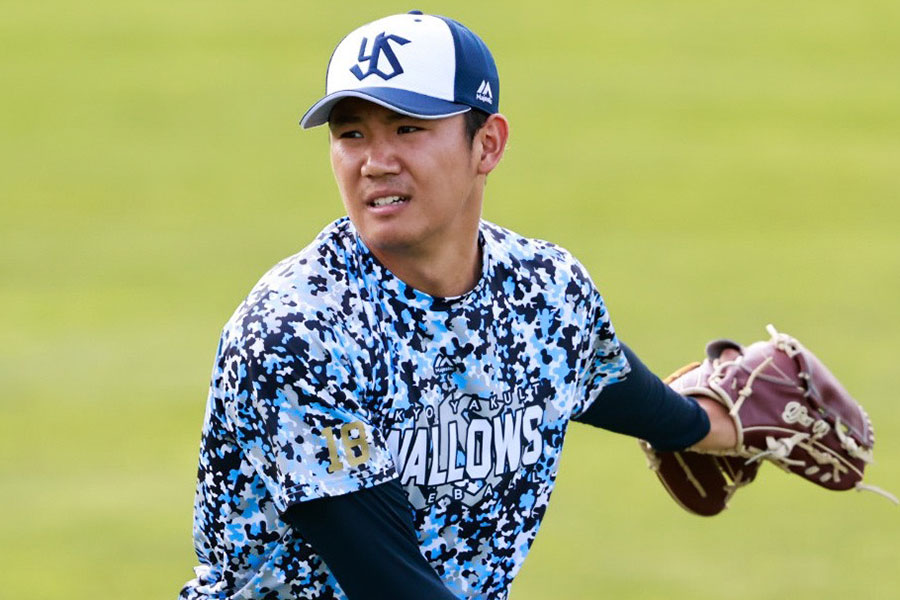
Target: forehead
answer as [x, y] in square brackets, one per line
[357, 110]
[352, 110]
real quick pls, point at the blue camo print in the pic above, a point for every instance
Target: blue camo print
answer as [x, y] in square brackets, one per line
[334, 375]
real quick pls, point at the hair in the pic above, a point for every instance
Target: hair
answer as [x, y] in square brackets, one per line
[475, 120]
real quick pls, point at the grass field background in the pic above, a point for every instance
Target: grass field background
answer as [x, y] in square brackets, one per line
[716, 165]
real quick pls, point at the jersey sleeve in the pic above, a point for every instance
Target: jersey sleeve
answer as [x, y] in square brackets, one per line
[296, 410]
[602, 361]
[643, 406]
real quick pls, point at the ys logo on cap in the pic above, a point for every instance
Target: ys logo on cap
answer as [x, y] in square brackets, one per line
[381, 45]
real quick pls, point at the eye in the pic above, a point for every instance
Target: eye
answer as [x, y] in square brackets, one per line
[352, 134]
[408, 129]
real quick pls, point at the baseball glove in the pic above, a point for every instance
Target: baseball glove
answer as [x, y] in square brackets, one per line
[788, 409]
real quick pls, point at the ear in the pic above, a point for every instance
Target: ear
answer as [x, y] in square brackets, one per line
[490, 142]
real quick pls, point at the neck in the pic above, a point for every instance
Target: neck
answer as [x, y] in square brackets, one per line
[447, 271]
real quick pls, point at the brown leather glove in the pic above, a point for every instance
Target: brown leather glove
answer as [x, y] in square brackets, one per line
[788, 409]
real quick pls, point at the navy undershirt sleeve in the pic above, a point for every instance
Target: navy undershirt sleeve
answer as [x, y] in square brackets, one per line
[368, 541]
[643, 406]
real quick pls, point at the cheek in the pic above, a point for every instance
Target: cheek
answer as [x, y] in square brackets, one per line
[342, 168]
[460, 169]
[337, 161]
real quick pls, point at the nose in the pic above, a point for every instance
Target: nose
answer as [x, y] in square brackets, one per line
[380, 158]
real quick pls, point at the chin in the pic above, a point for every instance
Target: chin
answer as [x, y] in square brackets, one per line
[387, 238]
[387, 243]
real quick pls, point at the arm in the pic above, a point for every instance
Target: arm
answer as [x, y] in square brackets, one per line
[643, 406]
[368, 541]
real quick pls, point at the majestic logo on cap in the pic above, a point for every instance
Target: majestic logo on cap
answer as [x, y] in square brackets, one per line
[381, 45]
[484, 92]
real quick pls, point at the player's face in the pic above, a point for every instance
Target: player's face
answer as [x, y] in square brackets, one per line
[409, 185]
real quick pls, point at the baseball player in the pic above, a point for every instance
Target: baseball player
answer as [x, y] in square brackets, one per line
[388, 406]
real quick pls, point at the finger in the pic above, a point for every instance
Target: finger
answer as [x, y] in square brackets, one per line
[718, 348]
[729, 354]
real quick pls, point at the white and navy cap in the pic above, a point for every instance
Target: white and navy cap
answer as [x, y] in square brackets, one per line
[424, 66]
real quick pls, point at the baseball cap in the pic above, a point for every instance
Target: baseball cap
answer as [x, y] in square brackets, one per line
[424, 66]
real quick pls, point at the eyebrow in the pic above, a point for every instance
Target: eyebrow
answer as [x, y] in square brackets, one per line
[343, 119]
[347, 118]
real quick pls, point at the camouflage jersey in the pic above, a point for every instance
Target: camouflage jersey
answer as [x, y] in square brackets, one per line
[334, 375]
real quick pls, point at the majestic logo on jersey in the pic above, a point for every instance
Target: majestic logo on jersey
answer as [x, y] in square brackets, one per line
[484, 93]
[380, 47]
[444, 365]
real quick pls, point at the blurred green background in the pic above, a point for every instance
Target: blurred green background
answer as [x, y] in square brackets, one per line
[716, 165]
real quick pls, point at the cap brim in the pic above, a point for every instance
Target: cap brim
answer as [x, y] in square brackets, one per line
[401, 101]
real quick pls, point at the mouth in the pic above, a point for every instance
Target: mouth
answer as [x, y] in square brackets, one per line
[387, 201]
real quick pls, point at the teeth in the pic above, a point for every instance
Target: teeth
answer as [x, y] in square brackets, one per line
[387, 200]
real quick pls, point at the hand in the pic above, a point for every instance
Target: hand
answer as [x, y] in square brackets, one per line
[722, 434]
